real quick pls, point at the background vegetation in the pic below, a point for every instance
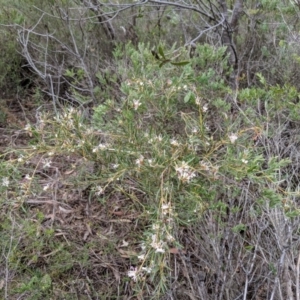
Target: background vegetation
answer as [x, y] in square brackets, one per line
[149, 149]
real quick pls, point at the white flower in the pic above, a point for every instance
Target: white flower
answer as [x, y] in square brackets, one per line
[160, 250]
[150, 162]
[46, 163]
[27, 177]
[136, 104]
[143, 246]
[159, 138]
[184, 172]
[5, 181]
[148, 270]
[233, 137]
[166, 208]
[124, 244]
[174, 142]
[205, 108]
[46, 187]
[157, 245]
[170, 238]
[115, 166]
[27, 128]
[244, 161]
[194, 130]
[99, 190]
[139, 161]
[101, 146]
[21, 158]
[141, 257]
[132, 273]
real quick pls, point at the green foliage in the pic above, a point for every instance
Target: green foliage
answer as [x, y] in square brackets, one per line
[168, 137]
[160, 136]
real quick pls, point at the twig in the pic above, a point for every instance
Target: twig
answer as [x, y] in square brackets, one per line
[297, 278]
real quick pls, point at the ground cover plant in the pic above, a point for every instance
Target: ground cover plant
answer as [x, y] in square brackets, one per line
[154, 176]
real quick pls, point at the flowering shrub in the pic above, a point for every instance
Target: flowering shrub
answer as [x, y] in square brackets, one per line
[178, 148]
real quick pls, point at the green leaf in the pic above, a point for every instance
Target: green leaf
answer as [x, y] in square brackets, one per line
[46, 282]
[261, 78]
[187, 97]
[70, 73]
[180, 63]
[164, 62]
[161, 52]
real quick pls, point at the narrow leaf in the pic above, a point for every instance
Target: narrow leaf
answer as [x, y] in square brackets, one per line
[161, 52]
[187, 97]
[180, 63]
[164, 62]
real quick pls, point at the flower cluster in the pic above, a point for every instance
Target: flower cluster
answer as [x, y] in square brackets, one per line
[184, 172]
[136, 104]
[157, 242]
[5, 181]
[101, 146]
[233, 137]
[212, 170]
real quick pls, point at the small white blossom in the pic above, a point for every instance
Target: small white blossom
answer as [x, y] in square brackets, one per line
[136, 104]
[194, 130]
[160, 250]
[166, 208]
[99, 190]
[157, 245]
[5, 181]
[158, 138]
[27, 177]
[139, 161]
[174, 142]
[124, 244]
[21, 158]
[101, 146]
[148, 270]
[150, 161]
[115, 166]
[184, 172]
[244, 161]
[46, 187]
[170, 238]
[155, 226]
[205, 108]
[141, 257]
[204, 165]
[47, 163]
[233, 137]
[132, 273]
[27, 128]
